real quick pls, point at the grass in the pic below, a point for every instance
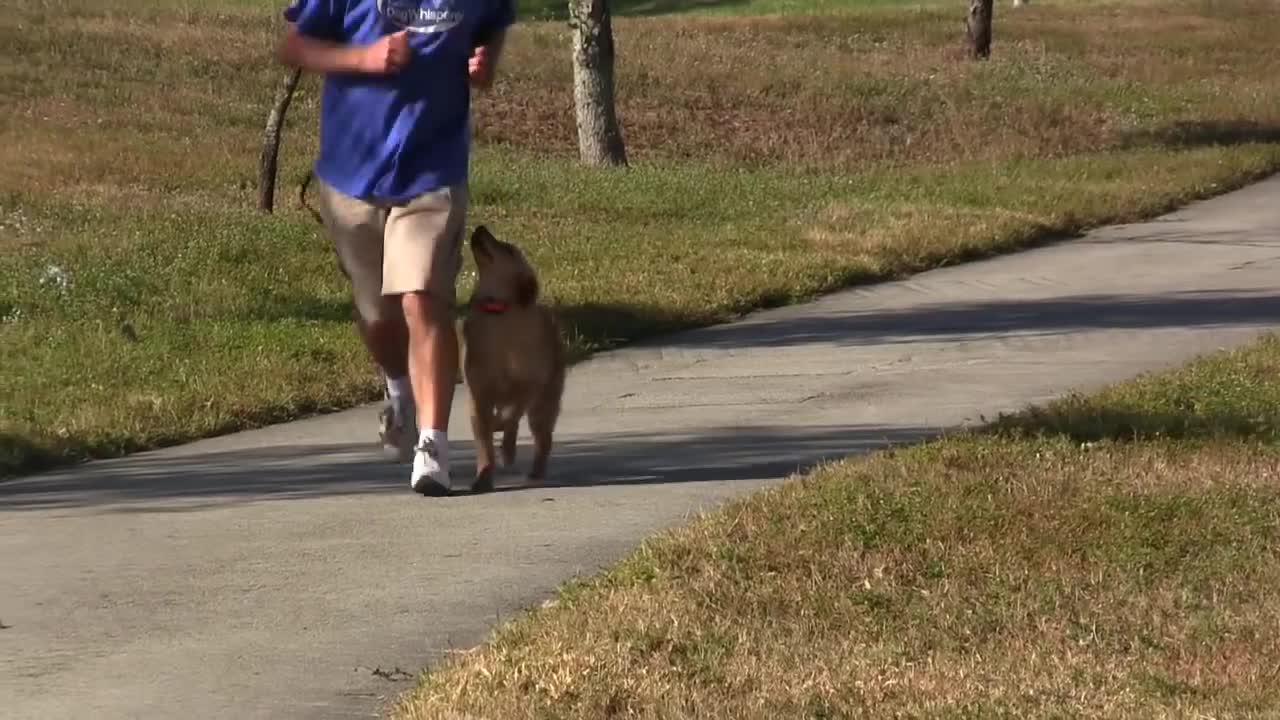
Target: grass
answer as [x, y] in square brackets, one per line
[143, 302]
[1106, 556]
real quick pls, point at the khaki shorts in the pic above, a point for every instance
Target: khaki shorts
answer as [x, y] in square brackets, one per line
[392, 250]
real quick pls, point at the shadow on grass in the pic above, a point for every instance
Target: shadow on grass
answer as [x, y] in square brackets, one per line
[1086, 420]
[276, 307]
[559, 9]
[19, 454]
[23, 455]
[593, 327]
[1195, 134]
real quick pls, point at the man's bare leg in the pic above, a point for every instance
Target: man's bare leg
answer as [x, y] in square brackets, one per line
[387, 340]
[433, 367]
[358, 231]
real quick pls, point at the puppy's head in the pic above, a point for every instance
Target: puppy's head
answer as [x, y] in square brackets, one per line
[502, 272]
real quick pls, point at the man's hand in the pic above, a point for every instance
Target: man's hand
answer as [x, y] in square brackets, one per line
[388, 55]
[481, 67]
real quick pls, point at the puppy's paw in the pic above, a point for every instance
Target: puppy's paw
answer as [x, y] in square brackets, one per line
[509, 446]
[483, 482]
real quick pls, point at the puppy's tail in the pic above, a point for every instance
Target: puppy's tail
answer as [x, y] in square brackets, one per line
[302, 197]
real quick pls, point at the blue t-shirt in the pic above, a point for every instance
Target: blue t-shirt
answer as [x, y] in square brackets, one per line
[391, 138]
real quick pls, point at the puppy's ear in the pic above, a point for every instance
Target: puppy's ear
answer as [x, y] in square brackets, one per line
[526, 287]
[481, 233]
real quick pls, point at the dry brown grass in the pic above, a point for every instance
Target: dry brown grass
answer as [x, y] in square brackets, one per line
[988, 575]
[838, 94]
[970, 579]
[835, 93]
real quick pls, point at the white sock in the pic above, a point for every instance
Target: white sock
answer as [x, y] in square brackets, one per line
[440, 439]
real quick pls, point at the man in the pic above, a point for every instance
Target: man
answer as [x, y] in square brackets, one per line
[392, 179]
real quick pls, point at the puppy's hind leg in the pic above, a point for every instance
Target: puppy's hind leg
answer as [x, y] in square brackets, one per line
[510, 431]
[543, 414]
[482, 433]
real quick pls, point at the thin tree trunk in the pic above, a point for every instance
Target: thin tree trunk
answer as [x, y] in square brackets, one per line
[978, 28]
[599, 136]
[271, 141]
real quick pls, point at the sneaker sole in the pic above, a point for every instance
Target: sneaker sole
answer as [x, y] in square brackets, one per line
[430, 488]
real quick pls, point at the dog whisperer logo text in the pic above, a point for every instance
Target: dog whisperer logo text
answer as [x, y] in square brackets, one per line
[422, 16]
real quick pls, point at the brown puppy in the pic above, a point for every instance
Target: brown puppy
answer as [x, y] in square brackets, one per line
[514, 357]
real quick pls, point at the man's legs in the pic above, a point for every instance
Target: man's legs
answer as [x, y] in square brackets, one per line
[423, 253]
[356, 229]
[433, 357]
[388, 342]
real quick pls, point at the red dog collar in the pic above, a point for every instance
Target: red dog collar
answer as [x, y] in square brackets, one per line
[493, 307]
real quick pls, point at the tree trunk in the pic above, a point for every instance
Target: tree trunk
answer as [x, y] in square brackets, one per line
[271, 141]
[599, 137]
[978, 28]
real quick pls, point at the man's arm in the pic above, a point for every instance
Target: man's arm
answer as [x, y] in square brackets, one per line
[388, 55]
[484, 59]
[487, 42]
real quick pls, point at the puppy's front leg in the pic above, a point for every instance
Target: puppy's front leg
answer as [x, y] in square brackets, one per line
[510, 431]
[482, 432]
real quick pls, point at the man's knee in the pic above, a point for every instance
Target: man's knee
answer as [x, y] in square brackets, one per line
[381, 318]
[423, 308]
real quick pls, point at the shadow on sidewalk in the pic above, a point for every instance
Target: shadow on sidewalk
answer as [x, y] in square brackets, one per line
[957, 321]
[167, 482]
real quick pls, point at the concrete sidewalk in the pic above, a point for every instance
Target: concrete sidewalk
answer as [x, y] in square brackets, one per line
[289, 573]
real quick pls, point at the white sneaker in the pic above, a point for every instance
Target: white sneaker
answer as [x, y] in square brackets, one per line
[430, 470]
[397, 428]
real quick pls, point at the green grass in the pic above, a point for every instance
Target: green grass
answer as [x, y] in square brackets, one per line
[1109, 556]
[775, 158]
